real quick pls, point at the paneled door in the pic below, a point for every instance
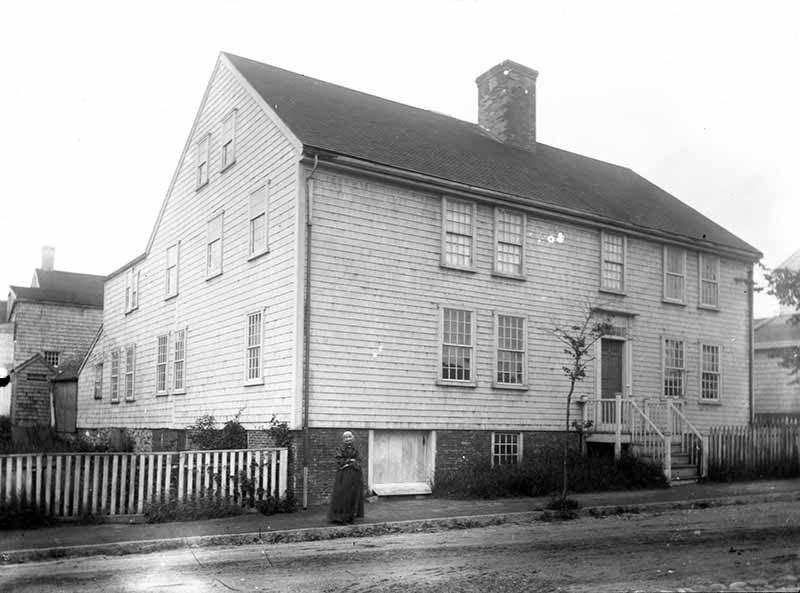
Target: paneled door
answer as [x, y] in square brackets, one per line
[400, 462]
[610, 375]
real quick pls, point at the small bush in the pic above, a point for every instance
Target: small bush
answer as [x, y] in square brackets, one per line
[27, 516]
[206, 436]
[207, 507]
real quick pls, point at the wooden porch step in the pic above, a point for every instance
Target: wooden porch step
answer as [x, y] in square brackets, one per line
[684, 471]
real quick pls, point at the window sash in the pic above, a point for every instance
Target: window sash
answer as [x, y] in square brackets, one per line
[202, 161]
[257, 228]
[509, 242]
[51, 357]
[172, 270]
[709, 280]
[115, 376]
[214, 246]
[130, 362]
[98, 381]
[674, 367]
[228, 156]
[709, 372]
[511, 350]
[457, 355]
[179, 361]
[253, 346]
[674, 273]
[612, 274]
[459, 231]
[161, 364]
[506, 448]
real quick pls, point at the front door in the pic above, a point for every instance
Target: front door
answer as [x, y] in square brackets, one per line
[65, 405]
[610, 376]
[400, 460]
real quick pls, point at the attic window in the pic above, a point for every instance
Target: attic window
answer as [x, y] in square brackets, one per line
[51, 357]
[228, 156]
[202, 160]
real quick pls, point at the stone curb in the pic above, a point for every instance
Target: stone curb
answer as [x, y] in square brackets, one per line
[365, 530]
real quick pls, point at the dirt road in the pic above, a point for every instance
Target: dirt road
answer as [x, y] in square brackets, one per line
[699, 550]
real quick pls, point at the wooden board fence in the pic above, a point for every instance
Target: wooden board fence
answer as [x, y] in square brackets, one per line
[772, 450]
[76, 484]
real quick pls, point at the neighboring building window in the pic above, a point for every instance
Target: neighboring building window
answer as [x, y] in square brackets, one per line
[459, 232]
[710, 373]
[51, 357]
[214, 246]
[179, 361]
[709, 280]
[130, 362]
[511, 347]
[612, 273]
[115, 376]
[257, 229]
[98, 381]
[506, 448]
[131, 290]
[202, 157]
[509, 242]
[674, 367]
[457, 356]
[171, 282]
[253, 348]
[674, 274]
[161, 364]
[228, 156]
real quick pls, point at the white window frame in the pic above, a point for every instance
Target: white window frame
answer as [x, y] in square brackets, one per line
[179, 333]
[471, 382]
[496, 383]
[52, 355]
[171, 283]
[604, 259]
[132, 278]
[130, 373]
[666, 298]
[497, 455]
[701, 280]
[665, 368]
[228, 137]
[98, 380]
[248, 346]
[202, 161]
[114, 376]
[256, 211]
[214, 240]
[444, 254]
[162, 364]
[718, 373]
[498, 212]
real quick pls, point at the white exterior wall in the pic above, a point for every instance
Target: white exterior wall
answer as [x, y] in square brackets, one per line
[212, 310]
[377, 290]
[774, 392]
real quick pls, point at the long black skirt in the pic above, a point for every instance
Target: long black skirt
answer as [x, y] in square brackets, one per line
[347, 500]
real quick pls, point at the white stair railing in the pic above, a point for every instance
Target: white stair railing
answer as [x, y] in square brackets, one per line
[693, 444]
[649, 441]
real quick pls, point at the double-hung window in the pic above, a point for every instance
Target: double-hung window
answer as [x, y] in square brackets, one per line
[253, 343]
[131, 290]
[228, 156]
[458, 233]
[674, 367]
[179, 361]
[130, 362]
[114, 376]
[674, 274]
[710, 385]
[171, 275]
[161, 364]
[511, 351]
[612, 272]
[51, 357]
[258, 225]
[457, 346]
[709, 280]
[201, 160]
[509, 247]
[98, 381]
[214, 246]
[506, 448]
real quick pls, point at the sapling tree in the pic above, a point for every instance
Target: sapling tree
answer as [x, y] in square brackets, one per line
[785, 284]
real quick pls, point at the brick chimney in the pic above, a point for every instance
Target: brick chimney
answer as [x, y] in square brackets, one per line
[507, 104]
[48, 257]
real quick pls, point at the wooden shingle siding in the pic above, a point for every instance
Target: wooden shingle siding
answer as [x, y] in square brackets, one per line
[378, 289]
[211, 310]
[774, 394]
[67, 329]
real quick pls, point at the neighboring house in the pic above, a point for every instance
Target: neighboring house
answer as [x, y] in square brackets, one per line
[343, 261]
[777, 396]
[6, 357]
[54, 321]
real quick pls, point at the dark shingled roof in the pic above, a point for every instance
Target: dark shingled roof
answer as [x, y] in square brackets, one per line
[89, 285]
[346, 122]
[84, 297]
[776, 329]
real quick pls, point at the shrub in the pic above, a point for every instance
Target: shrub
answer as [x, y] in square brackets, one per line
[28, 516]
[205, 435]
[205, 507]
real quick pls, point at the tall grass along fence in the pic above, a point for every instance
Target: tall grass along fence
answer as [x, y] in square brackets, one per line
[742, 452]
[78, 484]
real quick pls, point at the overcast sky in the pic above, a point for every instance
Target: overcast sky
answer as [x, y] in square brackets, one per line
[701, 98]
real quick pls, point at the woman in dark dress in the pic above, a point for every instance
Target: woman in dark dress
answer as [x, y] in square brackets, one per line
[347, 500]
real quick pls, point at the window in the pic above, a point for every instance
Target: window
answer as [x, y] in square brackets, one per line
[506, 448]
[509, 248]
[253, 348]
[214, 246]
[131, 290]
[674, 367]
[709, 280]
[179, 361]
[51, 357]
[171, 276]
[457, 332]
[709, 373]
[115, 376]
[130, 361]
[201, 160]
[228, 156]
[612, 273]
[674, 274]
[511, 348]
[98, 381]
[161, 364]
[458, 233]
[258, 239]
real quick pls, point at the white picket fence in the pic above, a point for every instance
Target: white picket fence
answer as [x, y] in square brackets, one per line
[75, 484]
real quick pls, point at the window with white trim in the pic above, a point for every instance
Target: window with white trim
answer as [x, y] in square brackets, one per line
[201, 160]
[179, 361]
[612, 273]
[171, 272]
[258, 225]
[674, 367]
[228, 155]
[457, 345]
[674, 274]
[98, 381]
[115, 375]
[458, 220]
[506, 448]
[709, 280]
[254, 332]
[51, 357]
[161, 364]
[130, 365]
[131, 290]
[214, 246]
[511, 350]
[509, 247]
[710, 385]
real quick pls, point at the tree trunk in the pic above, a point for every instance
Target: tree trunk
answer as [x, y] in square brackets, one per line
[566, 445]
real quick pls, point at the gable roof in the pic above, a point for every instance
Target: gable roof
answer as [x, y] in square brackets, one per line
[88, 284]
[86, 297]
[38, 358]
[331, 118]
[776, 332]
[792, 262]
